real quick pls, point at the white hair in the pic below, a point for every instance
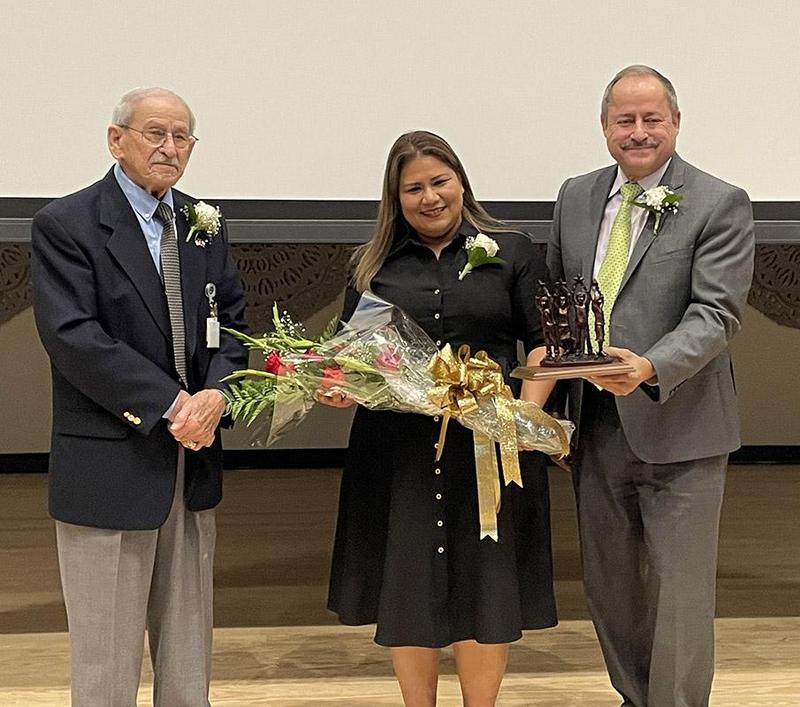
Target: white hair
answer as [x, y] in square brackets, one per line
[124, 110]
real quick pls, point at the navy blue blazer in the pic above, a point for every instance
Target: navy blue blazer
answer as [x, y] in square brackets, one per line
[102, 316]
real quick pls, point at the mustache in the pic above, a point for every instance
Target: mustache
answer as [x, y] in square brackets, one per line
[637, 143]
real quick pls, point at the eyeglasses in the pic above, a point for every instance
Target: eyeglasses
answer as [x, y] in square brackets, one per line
[156, 137]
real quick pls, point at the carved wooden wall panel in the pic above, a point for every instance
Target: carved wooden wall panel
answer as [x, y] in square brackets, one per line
[776, 284]
[300, 278]
[303, 278]
[15, 279]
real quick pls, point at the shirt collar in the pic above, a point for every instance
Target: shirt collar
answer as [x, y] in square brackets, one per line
[142, 202]
[648, 182]
[405, 236]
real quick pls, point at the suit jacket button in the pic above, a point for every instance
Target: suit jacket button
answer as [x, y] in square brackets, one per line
[137, 420]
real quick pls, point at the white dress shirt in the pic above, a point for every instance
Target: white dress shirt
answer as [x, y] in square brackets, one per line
[638, 216]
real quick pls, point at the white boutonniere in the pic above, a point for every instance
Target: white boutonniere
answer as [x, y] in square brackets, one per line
[658, 201]
[204, 222]
[481, 250]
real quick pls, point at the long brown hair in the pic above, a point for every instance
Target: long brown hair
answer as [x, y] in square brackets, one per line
[368, 258]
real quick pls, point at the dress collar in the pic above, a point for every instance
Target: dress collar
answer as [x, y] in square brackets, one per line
[143, 202]
[406, 237]
[648, 182]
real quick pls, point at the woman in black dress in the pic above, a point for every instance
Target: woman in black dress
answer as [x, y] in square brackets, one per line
[407, 554]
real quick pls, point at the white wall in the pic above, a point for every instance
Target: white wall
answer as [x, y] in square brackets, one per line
[301, 99]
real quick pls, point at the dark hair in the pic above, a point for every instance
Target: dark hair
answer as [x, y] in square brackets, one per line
[639, 70]
[368, 258]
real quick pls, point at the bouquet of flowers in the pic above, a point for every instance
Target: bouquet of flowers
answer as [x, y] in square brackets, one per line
[383, 360]
[378, 359]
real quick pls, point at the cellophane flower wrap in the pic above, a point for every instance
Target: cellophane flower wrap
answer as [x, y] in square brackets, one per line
[383, 360]
[380, 358]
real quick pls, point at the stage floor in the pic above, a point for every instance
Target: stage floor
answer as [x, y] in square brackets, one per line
[275, 644]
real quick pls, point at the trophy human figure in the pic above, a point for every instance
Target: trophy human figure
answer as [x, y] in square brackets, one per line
[563, 305]
[597, 301]
[549, 328]
[580, 298]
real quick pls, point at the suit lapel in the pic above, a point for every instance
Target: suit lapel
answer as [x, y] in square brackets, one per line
[128, 247]
[193, 272]
[598, 199]
[673, 178]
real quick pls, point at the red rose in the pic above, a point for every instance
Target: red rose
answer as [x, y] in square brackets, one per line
[388, 359]
[331, 376]
[274, 363]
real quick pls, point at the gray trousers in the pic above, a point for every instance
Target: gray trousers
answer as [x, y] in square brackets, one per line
[649, 537]
[116, 583]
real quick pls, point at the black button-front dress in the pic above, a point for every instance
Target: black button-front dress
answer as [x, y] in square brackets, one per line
[407, 553]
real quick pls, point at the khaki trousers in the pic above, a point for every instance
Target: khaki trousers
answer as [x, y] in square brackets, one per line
[116, 583]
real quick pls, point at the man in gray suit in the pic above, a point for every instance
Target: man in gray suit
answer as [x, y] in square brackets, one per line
[652, 445]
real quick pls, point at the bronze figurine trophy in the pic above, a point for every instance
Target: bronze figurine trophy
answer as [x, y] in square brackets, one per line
[570, 353]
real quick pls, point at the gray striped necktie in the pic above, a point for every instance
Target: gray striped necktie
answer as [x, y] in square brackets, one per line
[171, 274]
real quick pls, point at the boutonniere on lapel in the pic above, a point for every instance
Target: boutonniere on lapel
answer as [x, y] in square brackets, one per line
[481, 250]
[204, 222]
[659, 201]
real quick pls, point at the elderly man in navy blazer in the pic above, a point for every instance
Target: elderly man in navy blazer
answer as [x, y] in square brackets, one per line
[129, 309]
[653, 444]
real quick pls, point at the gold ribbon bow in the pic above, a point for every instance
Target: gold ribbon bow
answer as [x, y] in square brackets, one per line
[462, 382]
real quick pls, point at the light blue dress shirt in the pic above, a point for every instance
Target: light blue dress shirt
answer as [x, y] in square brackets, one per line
[144, 206]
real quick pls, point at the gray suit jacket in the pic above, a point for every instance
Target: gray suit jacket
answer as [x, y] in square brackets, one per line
[679, 304]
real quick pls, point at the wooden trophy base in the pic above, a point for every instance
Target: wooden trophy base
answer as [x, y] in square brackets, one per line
[538, 373]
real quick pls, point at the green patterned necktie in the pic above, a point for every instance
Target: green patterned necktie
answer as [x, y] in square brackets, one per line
[612, 269]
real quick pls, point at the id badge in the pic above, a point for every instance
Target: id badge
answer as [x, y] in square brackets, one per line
[212, 323]
[212, 333]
